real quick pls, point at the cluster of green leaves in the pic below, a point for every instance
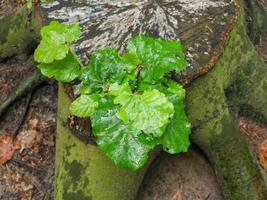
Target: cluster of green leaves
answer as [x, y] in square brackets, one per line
[132, 103]
[54, 53]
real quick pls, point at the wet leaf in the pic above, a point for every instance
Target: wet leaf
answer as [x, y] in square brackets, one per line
[27, 139]
[64, 70]
[156, 56]
[55, 43]
[84, 105]
[263, 155]
[7, 148]
[126, 146]
[149, 112]
[105, 67]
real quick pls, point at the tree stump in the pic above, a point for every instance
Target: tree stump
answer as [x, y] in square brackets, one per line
[225, 77]
[19, 31]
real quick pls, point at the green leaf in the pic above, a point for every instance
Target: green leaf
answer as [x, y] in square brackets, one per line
[116, 89]
[56, 39]
[176, 136]
[127, 147]
[122, 92]
[47, 52]
[131, 58]
[176, 89]
[105, 67]
[84, 105]
[60, 33]
[157, 57]
[149, 112]
[64, 70]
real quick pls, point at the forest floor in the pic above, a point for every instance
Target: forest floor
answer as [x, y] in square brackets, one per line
[29, 174]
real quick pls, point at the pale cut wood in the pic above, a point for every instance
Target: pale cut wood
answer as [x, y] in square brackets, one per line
[200, 25]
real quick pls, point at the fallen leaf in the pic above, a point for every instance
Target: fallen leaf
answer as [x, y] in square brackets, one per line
[177, 196]
[7, 148]
[26, 195]
[33, 123]
[27, 139]
[263, 155]
[4, 87]
[254, 131]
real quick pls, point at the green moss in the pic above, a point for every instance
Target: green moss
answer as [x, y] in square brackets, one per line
[75, 170]
[239, 70]
[19, 32]
[239, 173]
[76, 195]
[238, 78]
[256, 20]
[72, 184]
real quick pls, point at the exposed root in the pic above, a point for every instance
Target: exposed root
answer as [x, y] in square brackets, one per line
[28, 84]
[25, 111]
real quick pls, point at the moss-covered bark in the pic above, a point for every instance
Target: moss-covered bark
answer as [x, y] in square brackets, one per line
[19, 32]
[256, 19]
[238, 79]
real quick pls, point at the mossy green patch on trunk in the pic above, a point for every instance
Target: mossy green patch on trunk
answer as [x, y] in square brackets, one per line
[19, 32]
[210, 109]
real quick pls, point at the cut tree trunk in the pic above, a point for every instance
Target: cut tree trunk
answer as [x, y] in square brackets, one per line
[83, 171]
[237, 81]
[218, 38]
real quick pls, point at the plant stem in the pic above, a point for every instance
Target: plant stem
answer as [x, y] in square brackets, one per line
[76, 57]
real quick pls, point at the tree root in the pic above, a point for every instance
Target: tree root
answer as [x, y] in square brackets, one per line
[25, 111]
[28, 84]
[27, 166]
[212, 111]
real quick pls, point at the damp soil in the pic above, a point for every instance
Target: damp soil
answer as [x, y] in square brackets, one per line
[8, 6]
[30, 173]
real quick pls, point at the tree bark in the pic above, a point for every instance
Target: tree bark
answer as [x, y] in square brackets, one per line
[19, 32]
[237, 80]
